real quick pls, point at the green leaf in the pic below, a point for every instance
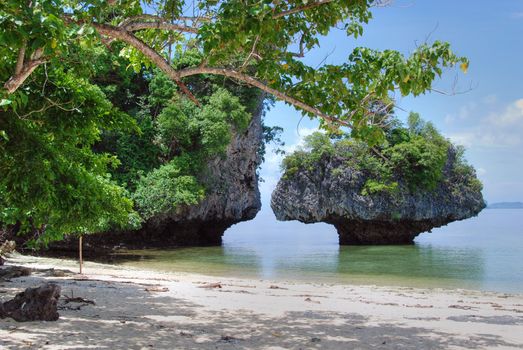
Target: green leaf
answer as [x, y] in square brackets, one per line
[5, 102]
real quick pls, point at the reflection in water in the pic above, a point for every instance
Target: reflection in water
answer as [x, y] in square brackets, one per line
[460, 255]
[420, 264]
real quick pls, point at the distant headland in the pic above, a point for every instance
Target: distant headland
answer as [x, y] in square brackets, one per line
[506, 205]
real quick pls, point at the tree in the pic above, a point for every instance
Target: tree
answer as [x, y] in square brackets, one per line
[260, 43]
[52, 182]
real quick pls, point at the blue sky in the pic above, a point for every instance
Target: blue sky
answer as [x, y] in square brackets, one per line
[488, 119]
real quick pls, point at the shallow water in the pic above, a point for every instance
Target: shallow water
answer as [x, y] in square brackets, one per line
[483, 253]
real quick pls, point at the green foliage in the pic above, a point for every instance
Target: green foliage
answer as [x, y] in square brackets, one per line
[271, 135]
[167, 188]
[251, 36]
[465, 173]
[374, 186]
[52, 182]
[207, 130]
[187, 136]
[419, 161]
[316, 146]
[414, 156]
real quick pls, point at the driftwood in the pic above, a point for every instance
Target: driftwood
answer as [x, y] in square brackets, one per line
[77, 303]
[156, 289]
[33, 304]
[211, 285]
[68, 300]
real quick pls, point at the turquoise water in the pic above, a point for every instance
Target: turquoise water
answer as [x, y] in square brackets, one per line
[485, 252]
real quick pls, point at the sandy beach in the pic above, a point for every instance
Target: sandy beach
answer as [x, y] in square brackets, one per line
[136, 309]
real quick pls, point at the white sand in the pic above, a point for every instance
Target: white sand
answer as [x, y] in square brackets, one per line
[249, 314]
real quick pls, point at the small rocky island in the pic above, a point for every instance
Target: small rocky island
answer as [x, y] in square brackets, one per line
[387, 195]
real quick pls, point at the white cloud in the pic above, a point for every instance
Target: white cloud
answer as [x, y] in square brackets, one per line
[504, 128]
[513, 115]
[481, 171]
[464, 113]
[462, 138]
[490, 99]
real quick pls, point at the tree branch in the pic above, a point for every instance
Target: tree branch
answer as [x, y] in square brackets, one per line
[230, 73]
[159, 24]
[146, 17]
[23, 72]
[21, 58]
[155, 57]
[129, 38]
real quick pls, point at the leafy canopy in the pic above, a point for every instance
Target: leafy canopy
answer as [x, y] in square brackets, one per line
[189, 136]
[258, 43]
[52, 182]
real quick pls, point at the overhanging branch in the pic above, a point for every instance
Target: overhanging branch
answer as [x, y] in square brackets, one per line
[24, 69]
[159, 24]
[230, 73]
[149, 52]
[155, 57]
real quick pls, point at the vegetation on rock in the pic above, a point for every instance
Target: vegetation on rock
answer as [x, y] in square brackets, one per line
[415, 154]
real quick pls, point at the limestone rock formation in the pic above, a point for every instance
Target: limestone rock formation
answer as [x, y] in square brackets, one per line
[232, 195]
[331, 192]
[33, 304]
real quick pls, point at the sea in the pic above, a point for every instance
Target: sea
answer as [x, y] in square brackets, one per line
[482, 253]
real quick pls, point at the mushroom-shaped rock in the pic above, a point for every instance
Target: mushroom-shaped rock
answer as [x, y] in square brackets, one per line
[336, 188]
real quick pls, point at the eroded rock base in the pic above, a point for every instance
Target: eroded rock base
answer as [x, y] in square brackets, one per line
[168, 235]
[384, 233]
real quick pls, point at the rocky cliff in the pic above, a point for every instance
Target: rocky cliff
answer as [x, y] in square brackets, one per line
[331, 192]
[232, 195]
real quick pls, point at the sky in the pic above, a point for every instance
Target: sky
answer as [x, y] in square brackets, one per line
[487, 118]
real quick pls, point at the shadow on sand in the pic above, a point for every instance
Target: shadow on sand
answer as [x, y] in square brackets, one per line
[129, 317]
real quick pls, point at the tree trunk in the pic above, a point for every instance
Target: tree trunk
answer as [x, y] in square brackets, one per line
[80, 248]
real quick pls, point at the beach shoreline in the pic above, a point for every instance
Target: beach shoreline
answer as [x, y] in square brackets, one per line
[139, 309]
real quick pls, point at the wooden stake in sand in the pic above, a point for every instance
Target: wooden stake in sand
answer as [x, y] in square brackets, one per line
[80, 252]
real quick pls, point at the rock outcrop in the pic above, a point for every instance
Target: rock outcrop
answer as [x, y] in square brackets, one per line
[232, 196]
[33, 304]
[331, 192]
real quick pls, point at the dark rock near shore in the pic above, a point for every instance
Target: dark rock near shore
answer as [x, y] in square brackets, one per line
[33, 304]
[330, 192]
[9, 272]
